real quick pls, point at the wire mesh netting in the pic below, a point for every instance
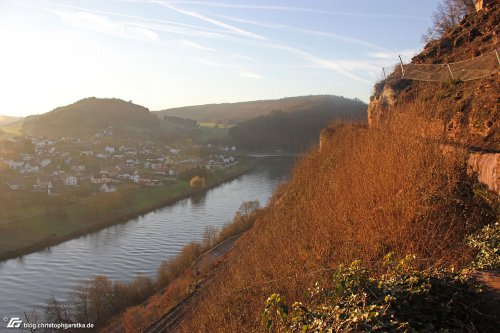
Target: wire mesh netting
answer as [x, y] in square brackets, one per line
[472, 69]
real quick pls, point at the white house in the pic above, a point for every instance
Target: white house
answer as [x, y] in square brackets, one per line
[109, 149]
[69, 180]
[107, 188]
[135, 177]
[15, 165]
[78, 167]
[15, 184]
[31, 168]
[45, 163]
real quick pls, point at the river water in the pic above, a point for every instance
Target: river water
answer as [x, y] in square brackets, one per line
[136, 247]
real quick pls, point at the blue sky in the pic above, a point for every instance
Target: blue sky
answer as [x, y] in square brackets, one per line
[163, 54]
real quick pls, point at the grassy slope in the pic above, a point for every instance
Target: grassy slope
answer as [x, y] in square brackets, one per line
[368, 192]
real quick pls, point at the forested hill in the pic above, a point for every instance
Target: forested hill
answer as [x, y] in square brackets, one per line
[88, 116]
[295, 131]
[232, 113]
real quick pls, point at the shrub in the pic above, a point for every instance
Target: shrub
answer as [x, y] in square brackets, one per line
[197, 182]
[403, 299]
[487, 244]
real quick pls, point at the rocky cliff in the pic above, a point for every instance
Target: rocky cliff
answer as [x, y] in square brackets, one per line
[465, 113]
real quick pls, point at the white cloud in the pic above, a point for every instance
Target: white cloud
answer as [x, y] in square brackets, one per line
[393, 55]
[343, 38]
[241, 56]
[102, 24]
[209, 63]
[250, 75]
[296, 9]
[194, 45]
[157, 24]
[221, 24]
[340, 66]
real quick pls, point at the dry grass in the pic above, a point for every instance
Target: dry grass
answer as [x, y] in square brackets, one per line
[394, 188]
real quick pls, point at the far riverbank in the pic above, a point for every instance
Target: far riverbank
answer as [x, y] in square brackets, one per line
[39, 232]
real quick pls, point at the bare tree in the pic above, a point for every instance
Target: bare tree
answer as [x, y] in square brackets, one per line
[247, 209]
[210, 236]
[32, 319]
[57, 311]
[448, 14]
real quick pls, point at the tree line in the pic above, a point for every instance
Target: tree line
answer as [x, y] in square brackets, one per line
[294, 131]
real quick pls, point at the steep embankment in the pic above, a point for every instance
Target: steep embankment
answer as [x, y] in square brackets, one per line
[468, 112]
[465, 112]
[398, 187]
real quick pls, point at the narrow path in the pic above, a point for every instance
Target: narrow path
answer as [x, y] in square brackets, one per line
[169, 321]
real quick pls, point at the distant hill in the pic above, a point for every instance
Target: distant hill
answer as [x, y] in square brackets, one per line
[232, 113]
[88, 116]
[295, 131]
[5, 120]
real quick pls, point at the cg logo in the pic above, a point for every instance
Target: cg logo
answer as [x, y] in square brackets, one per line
[14, 322]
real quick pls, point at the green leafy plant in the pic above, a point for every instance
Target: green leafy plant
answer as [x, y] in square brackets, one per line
[403, 299]
[487, 244]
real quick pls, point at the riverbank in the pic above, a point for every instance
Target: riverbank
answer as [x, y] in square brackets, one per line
[39, 232]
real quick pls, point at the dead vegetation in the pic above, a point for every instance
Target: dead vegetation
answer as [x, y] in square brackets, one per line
[395, 188]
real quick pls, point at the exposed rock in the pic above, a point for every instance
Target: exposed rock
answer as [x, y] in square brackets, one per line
[487, 168]
[379, 104]
[468, 108]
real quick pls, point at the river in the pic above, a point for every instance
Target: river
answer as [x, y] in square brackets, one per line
[138, 246]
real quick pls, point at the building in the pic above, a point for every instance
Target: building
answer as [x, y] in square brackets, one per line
[16, 184]
[15, 165]
[69, 180]
[109, 149]
[100, 180]
[107, 188]
[43, 182]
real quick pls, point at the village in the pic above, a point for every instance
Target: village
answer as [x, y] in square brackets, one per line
[61, 166]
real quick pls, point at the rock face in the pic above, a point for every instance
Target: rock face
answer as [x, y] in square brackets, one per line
[469, 109]
[379, 104]
[465, 113]
[487, 168]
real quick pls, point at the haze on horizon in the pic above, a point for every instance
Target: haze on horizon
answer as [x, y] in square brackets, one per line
[163, 54]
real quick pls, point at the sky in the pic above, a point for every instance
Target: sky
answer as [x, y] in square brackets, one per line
[163, 54]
